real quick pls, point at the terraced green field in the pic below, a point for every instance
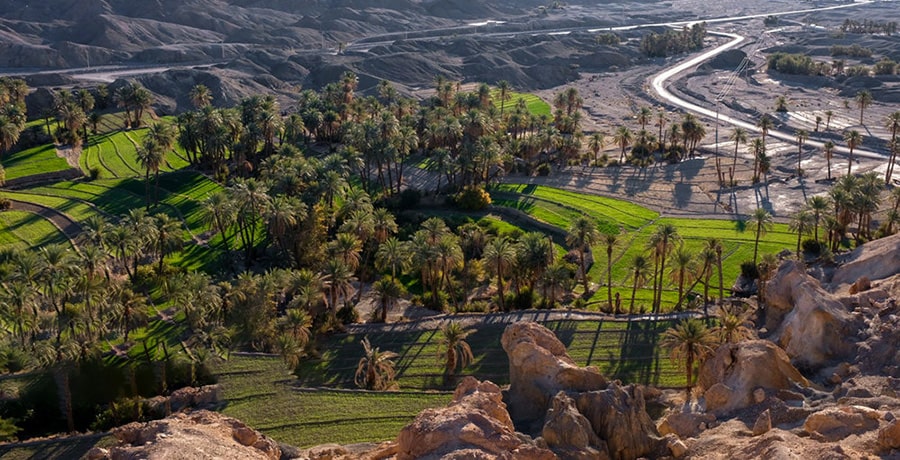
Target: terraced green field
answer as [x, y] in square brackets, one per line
[536, 105]
[36, 160]
[261, 392]
[622, 350]
[21, 229]
[635, 225]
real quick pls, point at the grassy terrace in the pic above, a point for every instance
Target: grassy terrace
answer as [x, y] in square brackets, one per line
[635, 225]
[36, 160]
[536, 105]
[260, 392]
[622, 350]
[22, 229]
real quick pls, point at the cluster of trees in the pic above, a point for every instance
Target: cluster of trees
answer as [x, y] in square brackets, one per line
[673, 42]
[800, 64]
[12, 111]
[854, 50]
[868, 26]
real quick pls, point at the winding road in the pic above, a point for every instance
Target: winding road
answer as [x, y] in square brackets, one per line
[661, 81]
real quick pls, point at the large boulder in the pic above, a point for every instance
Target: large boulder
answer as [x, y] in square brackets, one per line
[874, 260]
[569, 434]
[685, 424]
[619, 417]
[201, 434]
[539, 368]
[730, 377]
[836, 423]
[474, 425]
[808, 322]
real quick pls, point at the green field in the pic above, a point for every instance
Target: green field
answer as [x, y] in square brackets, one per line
[635, 225]
[622, 350]
[536, 105]
[261, 392]
[23, 230]
[36, 160]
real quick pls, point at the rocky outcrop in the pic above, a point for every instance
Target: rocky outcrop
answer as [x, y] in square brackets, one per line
[730, 377]
[474, 425]
[569, 434]
[809, 323]
[619, 417]
[201, 434]
[874, 260]
[836, 423]
[539, 368]
[889, 435]
[685, 424]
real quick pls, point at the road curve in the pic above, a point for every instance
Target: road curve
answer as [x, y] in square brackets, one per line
[660, 83]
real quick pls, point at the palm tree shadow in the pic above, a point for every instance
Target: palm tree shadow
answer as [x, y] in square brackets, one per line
[639, 359]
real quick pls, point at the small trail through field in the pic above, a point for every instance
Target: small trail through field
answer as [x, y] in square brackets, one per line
[64, 223]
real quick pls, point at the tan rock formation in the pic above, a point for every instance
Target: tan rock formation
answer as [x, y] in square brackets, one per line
[619, 416]
[889, 436]
[808, 322]
[685, 424]
[836, 423]
[874, 260]
[199, 435]
[569, 434]
[539, 368]
[474, 425]
[736, 370]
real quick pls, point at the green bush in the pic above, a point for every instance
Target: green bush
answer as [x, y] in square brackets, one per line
[524, 300]
[543, 169]
[5, 204]
[435, 303]
[473, 199]
[812, 247]
[749, 270]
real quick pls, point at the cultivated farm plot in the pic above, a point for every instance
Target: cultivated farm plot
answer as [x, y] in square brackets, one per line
[22, 230]
[36, 160]
[261, 392]
[622, 350]
[635, 226]
[536, 105]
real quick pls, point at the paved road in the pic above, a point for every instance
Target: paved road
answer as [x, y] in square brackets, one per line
[661, 81]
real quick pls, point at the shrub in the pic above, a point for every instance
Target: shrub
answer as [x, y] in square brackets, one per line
[544, 169]
[524, 300]
[409, 199]
[5, 204]
[749, 270]
[94, 173]
[437, 303]
[473, 199]
[121, 412]
[347, 314]
[812, 247]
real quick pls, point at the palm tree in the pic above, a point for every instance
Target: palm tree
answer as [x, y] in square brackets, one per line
[595, 144]
[375, 370]
[504, 88]
[662, 241]
[802, 135]
[759, 151]
[583, 235]
[829, 151]
[734, 325]
[387, 291]
[682, 269]
[200, 96]
[738, 136]
[853, 139]
[690, 341]
[765, 124]
[623, 138]
[800, 223]
[892, 124]
[762, 220]
[863, 100]
[499, 256]
[715, 245]
[818, 204]
[394, 255]
[610, 240]
[167, 236]
[639, 271]
[828, 115]
[643, 117]
[453, 349]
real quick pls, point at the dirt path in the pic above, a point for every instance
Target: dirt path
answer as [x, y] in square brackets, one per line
[69, 227]
[475, 319]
